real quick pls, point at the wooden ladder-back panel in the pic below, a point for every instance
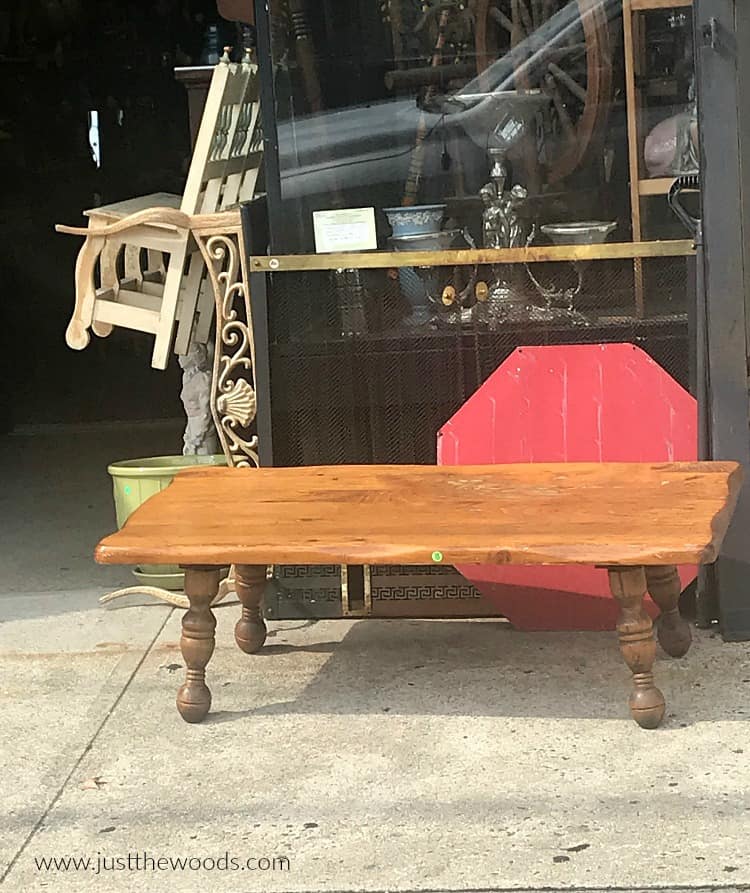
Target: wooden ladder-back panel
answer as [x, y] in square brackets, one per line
[246, 151]
[576, 513]
[229, 130]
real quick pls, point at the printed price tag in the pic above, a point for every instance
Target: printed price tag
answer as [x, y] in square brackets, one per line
[351, 229]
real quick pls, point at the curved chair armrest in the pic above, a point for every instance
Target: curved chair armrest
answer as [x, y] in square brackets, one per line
[165, 217]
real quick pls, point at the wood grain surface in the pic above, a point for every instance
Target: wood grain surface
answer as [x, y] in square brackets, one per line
[587, 513]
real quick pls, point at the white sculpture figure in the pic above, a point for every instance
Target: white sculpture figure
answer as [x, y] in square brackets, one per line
[200, 434]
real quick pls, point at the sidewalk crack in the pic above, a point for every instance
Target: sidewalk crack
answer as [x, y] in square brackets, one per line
[84, 752]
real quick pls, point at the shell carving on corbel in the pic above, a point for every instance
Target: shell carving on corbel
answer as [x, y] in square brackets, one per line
[238, 403]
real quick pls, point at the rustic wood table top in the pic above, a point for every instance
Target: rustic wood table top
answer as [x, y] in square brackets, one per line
[640, 520]
[597, 513]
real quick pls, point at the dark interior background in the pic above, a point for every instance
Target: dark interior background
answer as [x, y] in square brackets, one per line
[59, 59]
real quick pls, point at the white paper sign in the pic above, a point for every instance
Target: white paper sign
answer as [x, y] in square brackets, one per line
[352, 229]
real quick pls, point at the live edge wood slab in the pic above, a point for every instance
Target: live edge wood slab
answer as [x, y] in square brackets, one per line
[638, 520]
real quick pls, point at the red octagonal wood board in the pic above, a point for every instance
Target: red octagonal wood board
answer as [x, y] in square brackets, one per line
[569, 403]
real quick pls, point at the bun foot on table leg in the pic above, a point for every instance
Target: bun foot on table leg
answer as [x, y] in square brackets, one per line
[647, 702]
[194, 698]
[672, 630]
[197, 642]
[637, 644]
[250, 629]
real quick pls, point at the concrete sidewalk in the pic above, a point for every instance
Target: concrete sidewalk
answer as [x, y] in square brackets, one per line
[372, 755]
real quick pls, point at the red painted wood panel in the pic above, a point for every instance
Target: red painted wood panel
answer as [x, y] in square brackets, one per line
[569, 403]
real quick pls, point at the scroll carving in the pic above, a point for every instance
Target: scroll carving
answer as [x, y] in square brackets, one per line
[233, 398]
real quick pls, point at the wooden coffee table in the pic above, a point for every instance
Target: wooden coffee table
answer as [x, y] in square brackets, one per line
[638, 520]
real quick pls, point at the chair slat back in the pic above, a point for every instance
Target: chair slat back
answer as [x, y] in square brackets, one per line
[229, 148]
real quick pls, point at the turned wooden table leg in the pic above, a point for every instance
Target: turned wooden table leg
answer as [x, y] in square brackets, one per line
[250, 629]
[672, 630]
[637, 644]
[197, 641]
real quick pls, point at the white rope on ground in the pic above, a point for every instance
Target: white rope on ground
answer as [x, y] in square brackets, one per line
[172, 598]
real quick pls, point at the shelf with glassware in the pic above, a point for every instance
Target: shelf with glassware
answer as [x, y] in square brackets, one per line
[500, 233]
[515, 108]
[495, 284]
[402, 293]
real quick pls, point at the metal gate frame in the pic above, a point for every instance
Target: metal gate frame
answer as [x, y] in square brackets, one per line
[722, 28]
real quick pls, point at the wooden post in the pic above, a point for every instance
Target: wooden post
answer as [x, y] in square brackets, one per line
[632, 29]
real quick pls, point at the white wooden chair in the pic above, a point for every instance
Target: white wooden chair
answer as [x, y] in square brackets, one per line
[155, 296]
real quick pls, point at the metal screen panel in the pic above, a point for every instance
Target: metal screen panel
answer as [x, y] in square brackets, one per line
[353, 382]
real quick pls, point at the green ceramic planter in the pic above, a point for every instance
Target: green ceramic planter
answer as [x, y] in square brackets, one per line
[133, 482]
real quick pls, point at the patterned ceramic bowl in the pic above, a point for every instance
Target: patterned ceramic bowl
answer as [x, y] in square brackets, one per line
[438, 241]
[417, 220]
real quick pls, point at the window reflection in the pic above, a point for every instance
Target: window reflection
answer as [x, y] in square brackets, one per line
[492, 123]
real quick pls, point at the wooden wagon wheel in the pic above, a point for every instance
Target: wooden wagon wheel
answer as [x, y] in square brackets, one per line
[575, 72]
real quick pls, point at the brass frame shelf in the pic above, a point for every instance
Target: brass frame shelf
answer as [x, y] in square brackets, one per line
[373, 260]
[648, 5]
